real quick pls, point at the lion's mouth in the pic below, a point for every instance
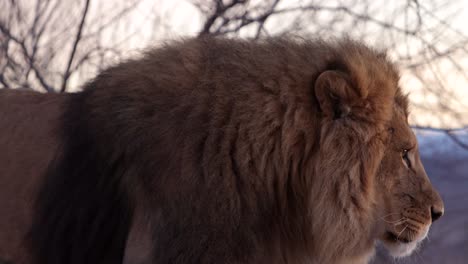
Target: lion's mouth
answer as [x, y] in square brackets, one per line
[399, 246]
[404, 242]
[390, 236]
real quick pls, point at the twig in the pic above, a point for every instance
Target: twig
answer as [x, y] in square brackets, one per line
[219, 11]
[262, 20]
[39, 76]
[66, 74]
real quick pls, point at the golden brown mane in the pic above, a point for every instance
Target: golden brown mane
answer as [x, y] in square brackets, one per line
[236, 151]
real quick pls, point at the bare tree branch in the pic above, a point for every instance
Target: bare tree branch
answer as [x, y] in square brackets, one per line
[219, 10]
[263, 19]
[31, 64]
[66, 75]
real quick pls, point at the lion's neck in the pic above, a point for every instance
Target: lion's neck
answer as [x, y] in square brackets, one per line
[361, 259]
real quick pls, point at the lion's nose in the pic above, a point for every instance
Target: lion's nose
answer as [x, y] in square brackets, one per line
[436, 212]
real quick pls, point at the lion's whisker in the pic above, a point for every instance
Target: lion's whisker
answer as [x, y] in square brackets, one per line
[400, 223]
[395, 221]
[401, 232]
[387, 215]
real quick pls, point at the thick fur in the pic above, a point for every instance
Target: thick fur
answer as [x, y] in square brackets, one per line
[236, 151]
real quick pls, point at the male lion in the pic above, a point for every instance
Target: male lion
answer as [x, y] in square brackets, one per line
[217, 150]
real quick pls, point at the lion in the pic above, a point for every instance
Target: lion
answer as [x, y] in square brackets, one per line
[216, 150]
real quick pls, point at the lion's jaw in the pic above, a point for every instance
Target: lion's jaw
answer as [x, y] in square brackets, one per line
[403, 248]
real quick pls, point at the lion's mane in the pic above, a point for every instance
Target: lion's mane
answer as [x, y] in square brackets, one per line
[238, 151]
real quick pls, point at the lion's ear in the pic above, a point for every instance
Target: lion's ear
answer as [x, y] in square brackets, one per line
[335, 94]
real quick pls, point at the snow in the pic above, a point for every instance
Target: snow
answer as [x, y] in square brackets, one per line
[433, 143]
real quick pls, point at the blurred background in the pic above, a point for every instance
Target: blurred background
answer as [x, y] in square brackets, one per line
[57, 45]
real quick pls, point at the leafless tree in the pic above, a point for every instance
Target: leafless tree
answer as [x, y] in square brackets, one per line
[54, 45]
[44, 43]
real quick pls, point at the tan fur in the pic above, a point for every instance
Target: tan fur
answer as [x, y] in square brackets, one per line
[236, 151]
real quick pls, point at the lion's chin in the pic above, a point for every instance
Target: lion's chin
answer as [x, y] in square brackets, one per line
[400, 248]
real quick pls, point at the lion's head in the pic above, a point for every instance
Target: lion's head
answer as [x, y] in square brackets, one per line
[371, 178]
[408, 202]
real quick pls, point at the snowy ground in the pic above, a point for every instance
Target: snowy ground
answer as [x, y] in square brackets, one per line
[446, 164]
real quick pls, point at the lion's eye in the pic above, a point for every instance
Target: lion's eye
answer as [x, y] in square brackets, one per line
[406, 158]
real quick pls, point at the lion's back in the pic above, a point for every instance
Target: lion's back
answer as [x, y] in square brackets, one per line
[27, 144]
